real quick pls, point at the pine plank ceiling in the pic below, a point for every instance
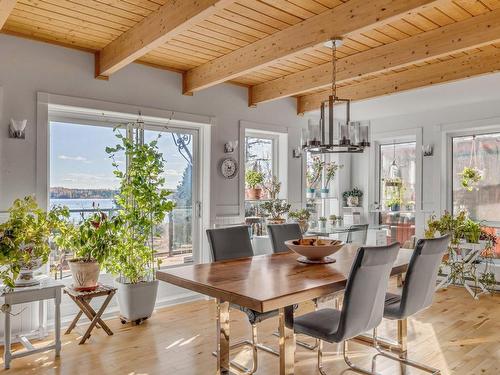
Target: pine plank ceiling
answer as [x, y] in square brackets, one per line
[275, 47]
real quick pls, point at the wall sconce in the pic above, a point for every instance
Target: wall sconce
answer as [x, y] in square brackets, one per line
[230, 146]
[427, 150]
[16, 128]
[297, 152]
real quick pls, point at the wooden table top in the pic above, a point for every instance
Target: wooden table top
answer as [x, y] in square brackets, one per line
[267, 282]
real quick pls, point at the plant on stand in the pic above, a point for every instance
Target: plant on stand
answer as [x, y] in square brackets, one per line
[274, 210]
[330, 172]
[470, 246]
[301, 217]
[91, 241]
[24, 240]
[253, 181]
[353, 197]
[313, 176]
[143, 203]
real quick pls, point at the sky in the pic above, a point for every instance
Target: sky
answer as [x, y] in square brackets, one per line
[78, 158]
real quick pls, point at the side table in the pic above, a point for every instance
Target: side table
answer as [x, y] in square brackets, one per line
[82, 300]
[47, 289]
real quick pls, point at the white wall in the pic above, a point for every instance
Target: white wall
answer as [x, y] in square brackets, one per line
[471, 103]
[28, 67]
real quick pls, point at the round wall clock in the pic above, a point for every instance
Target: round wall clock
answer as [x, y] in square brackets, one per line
[229, 167]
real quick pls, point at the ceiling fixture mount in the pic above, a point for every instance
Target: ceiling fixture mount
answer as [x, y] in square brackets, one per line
[347, 136]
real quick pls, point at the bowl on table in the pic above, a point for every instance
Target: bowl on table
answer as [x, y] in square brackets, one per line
[315, 250]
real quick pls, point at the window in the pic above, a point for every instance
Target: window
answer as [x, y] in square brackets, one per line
[81, 178]
[260, 154]
[397, 189]
[483, 202]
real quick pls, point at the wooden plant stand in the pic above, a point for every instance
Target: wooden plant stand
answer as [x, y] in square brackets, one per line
[82, 300]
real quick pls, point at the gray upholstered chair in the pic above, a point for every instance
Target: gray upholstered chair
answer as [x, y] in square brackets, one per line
[232, 243]
[363, 305]
[279, 233]
[357, 233]
[418, 291]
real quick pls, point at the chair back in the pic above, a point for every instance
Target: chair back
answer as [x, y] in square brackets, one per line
[364, 296]
[280, 233]
[357, 233]
[230, 243]
[420, 281]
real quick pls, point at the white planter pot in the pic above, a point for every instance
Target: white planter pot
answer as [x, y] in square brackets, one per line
[353, 201]
[137, 301]
[26, 277]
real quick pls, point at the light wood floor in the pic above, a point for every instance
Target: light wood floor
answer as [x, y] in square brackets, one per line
[457, 334]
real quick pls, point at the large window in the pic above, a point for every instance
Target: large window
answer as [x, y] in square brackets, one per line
[260, 154]
[483, 202]
[397, 189]
[81, 178]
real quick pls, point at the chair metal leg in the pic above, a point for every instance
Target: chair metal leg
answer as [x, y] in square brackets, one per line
[402, 355]
[254, 344]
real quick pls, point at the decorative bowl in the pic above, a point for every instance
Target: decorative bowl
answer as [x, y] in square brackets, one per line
[317, 251]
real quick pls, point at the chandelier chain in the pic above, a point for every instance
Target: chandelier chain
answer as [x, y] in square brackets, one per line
[334, 68]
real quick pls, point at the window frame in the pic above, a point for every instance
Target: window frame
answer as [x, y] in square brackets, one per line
[468, 132]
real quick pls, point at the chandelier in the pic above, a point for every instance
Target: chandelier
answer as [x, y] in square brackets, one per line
[338, 137]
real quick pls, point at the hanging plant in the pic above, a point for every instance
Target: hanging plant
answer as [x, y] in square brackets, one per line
[470, 177]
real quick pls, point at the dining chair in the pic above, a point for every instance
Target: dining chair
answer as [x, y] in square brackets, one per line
[232, 243]
[363, 305]
[417, 294]
[357, 233]
[279, 233]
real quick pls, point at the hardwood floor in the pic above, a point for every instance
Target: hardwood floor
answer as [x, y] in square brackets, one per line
[457, 334]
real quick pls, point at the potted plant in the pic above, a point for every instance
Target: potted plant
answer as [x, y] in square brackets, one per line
[91, 241]
[143, 203]
[253, 180]
[24, 240]
[353, 197]
[313, 176]
[273, 187]
[274, 210]
[470, 177]
[333, 219]
[330, 172]
[394, 204]
[322, 222]
[301, 217]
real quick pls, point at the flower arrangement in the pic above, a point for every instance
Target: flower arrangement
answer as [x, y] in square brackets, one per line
[24, 238]
[470, 177]
[353, 197]
[253, 179]
[314, 173]
[330, 172]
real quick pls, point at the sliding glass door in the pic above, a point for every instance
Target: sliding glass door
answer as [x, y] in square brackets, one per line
[81, 178]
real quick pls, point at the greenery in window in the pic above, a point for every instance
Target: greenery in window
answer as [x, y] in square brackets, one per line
[143, 203]
[470, 177]
[253, 179]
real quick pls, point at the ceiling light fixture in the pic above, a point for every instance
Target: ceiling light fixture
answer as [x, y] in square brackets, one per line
[347, 136]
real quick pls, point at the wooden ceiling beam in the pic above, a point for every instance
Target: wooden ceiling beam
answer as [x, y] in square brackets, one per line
[486, 61]
[6, 7]
[153, 31]
[471, 33]
[351, 17]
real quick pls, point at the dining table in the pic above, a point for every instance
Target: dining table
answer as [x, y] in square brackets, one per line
[265, 283]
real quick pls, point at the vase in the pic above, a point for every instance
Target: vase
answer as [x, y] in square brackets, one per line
[324, 192]
[395, 207]
[136, 301]
[310, 193]
[304, 225]
[352, 201]
[254, 193]
[85, 274]
[26, 277]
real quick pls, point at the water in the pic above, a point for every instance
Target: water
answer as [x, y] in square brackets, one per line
[75, 205]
